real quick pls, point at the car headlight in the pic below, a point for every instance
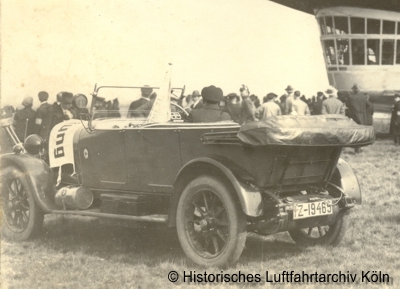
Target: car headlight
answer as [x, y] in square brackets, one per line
[33, 144]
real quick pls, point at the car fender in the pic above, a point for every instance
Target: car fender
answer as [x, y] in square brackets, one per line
[249, 197]
[345, 178]
[38, 175]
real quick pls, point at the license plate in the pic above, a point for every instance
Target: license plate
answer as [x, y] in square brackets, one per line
[307, 210]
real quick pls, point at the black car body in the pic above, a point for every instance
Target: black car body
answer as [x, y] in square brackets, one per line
[213, 181]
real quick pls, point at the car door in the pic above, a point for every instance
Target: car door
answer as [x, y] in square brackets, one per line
[152, 158]
[102, 155]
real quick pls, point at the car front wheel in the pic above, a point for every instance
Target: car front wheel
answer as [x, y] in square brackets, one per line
[323, 235]
[210, 223]
[22, 218]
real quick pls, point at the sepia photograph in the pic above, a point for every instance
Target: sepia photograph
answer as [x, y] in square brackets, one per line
[200, 144]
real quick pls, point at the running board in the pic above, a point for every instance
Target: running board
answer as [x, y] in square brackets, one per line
[148, 218]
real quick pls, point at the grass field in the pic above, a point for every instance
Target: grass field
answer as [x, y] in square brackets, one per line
[75, 252]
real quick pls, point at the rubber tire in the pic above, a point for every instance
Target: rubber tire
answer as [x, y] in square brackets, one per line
[332, 238]
[237, 228]
[36, 215]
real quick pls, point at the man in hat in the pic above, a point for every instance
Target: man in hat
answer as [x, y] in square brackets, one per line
[233, 106]
[144, 99]
[79, 113]
[58, 101]
[299, 107]
[24, 119]
[58, 114]
[358, 105]
[210, 112]
[248, 111]
[197, 101]
[332, 105]
[44, 117]
[99, 107]
[288, 100]
[317, 105]
[395, 120]
[64, 113]
[269, 107]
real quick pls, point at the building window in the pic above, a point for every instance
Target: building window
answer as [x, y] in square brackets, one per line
[330, 52]
[387, 51]
[358, 51]
[388, 27]
[343, 51]
[357, 25]
[373, 51]
[398, 52]
[398, 28]
[329, 24]
[341, 25]
[373, 26]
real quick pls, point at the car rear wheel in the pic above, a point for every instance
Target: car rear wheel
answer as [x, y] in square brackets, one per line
[323, 235]
[22, 217]
[210, 223]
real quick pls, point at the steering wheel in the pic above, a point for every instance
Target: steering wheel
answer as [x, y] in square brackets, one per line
[178, 113]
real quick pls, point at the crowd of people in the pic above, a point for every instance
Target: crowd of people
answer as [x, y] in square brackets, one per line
[206, 106]
[245, 107]
[27, 121]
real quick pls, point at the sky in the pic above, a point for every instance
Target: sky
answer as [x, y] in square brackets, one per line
[60, 45]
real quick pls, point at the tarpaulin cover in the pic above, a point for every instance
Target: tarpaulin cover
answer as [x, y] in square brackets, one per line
[316, 130]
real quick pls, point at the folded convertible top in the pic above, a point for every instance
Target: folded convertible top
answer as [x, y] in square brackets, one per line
[316, 130]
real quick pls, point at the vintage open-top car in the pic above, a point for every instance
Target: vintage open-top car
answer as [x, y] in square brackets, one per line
[214, 182]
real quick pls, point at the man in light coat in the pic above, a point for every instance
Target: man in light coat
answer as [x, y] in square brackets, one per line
[269, 107]
[332, 105]
[288, 100]
[299, 107]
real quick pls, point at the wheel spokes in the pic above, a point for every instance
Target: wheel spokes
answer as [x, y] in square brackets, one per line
[19, 187]
[222, 237]
[193, 221]
[201, 211]
[198, 235]
[24, 214]
[207, 242]
[207, 223]
[205, 201]
[16, 205]
[11, 190]
[215, 244]
[221, 221]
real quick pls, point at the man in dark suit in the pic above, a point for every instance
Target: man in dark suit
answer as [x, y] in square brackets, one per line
[63, 112]
[197, 101]
[210, 112]
[58, 114]
[24, 119]
[135, 105]
[317, 106]
[358, 105]
[44, 116]
[248, 110]
[395, 120]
